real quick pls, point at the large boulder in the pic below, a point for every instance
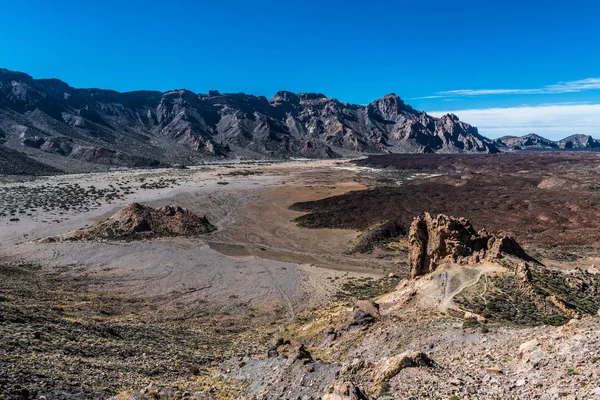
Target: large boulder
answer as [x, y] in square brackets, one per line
[437, 239]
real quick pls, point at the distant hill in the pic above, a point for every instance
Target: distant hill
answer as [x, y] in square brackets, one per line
[80, 129]
[579, 142]
[536, 142]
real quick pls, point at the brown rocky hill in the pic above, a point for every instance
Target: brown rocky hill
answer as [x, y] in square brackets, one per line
[137, 221]
[64, 126]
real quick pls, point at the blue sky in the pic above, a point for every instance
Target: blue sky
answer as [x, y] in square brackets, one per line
[509, 67]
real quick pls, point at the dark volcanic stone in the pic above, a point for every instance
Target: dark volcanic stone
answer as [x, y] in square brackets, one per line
[510, 193]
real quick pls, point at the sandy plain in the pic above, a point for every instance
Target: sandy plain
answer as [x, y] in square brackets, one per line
[258, 256]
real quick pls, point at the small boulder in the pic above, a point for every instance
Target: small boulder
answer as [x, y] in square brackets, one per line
[272, 352]
[390, 367]
[494, 371]
[303, 354]
[359, 319]
[368, 307]
[476, 317]
[353, 367]
[345, 390]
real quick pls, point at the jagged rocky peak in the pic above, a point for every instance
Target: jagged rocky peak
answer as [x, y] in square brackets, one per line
[389, 107]
[296, 98]
[284, 96]
[450, 116]
[434, 240]
[451, 121]
[312, 96]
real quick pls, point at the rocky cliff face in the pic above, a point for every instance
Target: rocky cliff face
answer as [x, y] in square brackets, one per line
[52, 121]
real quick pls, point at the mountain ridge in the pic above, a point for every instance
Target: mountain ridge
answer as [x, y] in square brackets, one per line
[66, 127]
[537, 142]
[80, 130]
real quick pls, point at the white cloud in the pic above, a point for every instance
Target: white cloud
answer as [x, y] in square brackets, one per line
[554, 121]
[574, 86]
[560, 87]
[483, 92]
[428, 97]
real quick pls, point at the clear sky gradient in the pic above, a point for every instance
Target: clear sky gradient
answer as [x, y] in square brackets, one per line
[509, 67]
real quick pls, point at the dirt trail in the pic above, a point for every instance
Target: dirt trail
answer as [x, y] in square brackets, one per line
[455, 279]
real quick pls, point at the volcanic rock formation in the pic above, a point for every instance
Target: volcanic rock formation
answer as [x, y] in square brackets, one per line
[433, 240]
[137, 221]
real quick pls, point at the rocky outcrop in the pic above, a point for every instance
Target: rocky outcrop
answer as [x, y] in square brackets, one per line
[58, 145]
[434, 240]
[180, 126]
[67, 147]
[137, 221]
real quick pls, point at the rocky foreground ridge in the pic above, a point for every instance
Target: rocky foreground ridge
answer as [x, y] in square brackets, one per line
[448, 332]
[502, 327]
[62, 126]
